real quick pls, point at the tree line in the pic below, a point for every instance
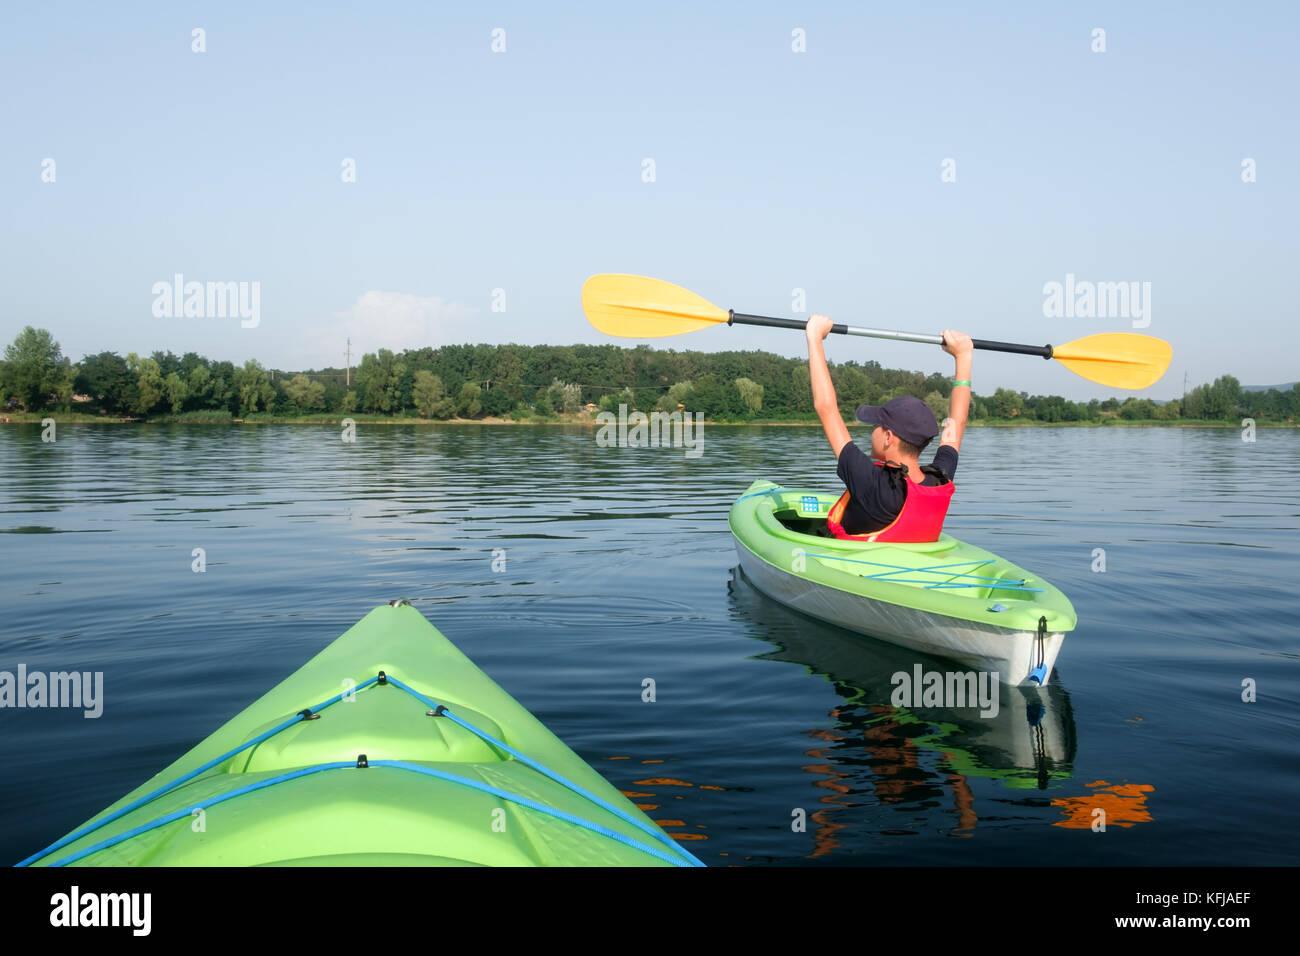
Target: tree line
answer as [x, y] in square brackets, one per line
[545, 381]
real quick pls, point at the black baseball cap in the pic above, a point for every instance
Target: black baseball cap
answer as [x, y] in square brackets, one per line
[906, 416]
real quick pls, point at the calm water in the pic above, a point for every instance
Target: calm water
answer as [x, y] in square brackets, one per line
[619, 566]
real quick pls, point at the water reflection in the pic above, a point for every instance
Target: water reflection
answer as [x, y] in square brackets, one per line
[907, 757]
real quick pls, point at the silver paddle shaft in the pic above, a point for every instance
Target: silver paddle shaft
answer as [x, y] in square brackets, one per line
[740, 318]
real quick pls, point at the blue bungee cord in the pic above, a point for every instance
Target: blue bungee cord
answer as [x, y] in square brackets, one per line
[136, 804]
[441, 711]
[979, 582]
[758, 494]
[359, 764]
[312, 713]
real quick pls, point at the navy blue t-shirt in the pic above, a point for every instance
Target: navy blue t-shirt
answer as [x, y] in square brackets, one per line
[873, 501]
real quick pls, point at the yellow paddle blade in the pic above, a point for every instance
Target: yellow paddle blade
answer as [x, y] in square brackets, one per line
[637, 307]
[1117, 359]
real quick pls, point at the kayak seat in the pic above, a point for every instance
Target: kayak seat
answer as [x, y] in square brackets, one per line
[813, 527]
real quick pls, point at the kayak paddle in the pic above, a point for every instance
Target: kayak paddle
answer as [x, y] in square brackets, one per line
[638, 307]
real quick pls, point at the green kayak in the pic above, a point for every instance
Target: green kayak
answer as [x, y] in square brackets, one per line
[389, 747]
[946, 598]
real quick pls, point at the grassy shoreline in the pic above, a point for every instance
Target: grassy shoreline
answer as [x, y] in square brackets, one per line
[80, 418]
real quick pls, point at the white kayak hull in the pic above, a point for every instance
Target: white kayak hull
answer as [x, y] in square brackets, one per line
[1010, 653]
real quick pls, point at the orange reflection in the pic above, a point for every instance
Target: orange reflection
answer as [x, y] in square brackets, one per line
[666, 782]
[963, 801]
[898, 776]
[824, 835]
[1124, 804]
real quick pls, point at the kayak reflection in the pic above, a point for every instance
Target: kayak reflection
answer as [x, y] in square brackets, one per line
[909, 755]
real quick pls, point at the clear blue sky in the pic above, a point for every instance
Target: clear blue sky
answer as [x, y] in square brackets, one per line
[775, 170]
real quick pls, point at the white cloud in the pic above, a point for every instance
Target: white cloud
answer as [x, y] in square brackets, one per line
[391, 320]
[396, 320]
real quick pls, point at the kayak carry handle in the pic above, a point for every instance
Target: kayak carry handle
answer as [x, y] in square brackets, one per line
[1039, 674]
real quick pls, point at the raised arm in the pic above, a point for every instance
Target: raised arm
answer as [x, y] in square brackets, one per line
[824, 400]
[958, 345]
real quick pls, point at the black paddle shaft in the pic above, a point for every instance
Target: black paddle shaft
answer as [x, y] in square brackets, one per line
[740, 318]
[1044, 350]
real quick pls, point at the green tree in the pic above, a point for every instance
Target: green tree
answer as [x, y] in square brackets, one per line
[221, 391]
[497, 401]
[191, 361]
[852, 388]
[167, 363]
[468, 404]
[430, 396]
[801, 388]
[107, 380]
[565, 396]
[148, 383]
[65, 388]
[380, 380]
[200, 385]
[677, 394]
[1054, 408]
[303, 393]
[751, 393]
[938, 404]
[1222, 398]
[253, 386]
[33, 368]
[1006, 404]
[1137, 409]
[175, 391]
[508, 371]
[715, 398]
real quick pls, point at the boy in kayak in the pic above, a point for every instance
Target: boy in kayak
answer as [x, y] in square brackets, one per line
[891, 496]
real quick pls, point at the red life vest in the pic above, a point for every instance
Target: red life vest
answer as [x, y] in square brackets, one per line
[920, 520]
